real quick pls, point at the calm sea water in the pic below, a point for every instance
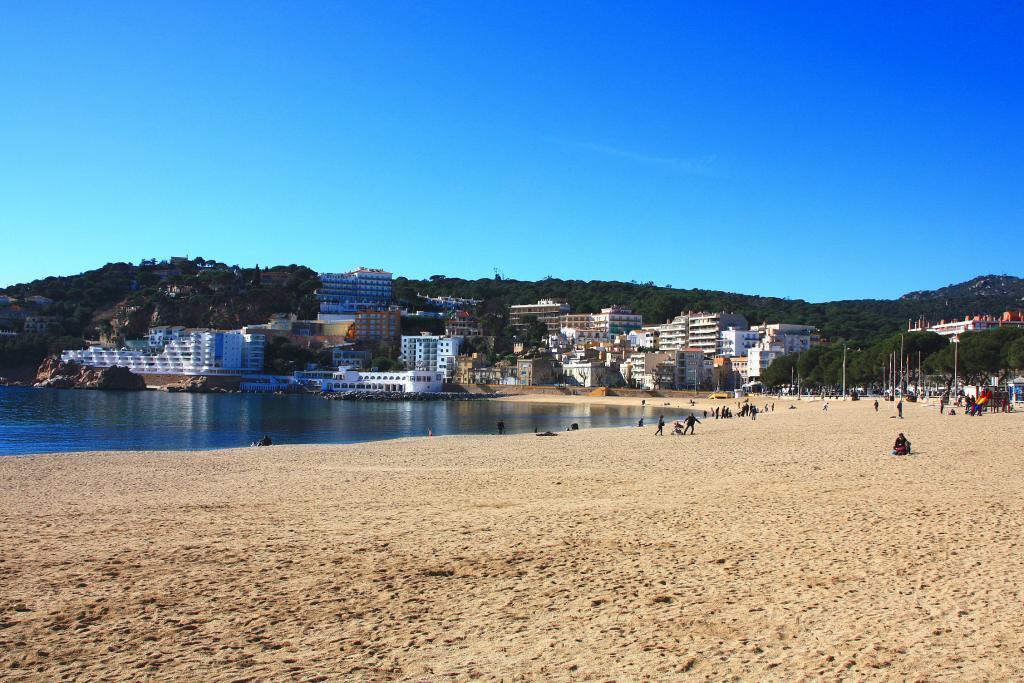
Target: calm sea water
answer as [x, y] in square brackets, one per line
[52, 420]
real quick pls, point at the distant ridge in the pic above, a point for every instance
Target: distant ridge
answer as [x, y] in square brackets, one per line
[125, 299]
[987, 288]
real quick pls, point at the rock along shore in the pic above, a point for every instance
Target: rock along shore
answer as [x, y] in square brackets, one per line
[403, 396]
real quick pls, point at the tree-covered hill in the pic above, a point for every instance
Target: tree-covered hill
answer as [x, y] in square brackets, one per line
[121, 300]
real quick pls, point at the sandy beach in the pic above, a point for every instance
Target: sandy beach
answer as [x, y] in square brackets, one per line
[793, 547]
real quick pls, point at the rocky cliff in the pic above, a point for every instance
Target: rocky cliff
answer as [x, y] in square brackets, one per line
[55, 373]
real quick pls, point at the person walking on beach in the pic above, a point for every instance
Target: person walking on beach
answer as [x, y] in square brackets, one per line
[501, 427]
[824, 408]
[899, 408]
[661, 426]
[753, 412]
[876, 405]
[688, 424]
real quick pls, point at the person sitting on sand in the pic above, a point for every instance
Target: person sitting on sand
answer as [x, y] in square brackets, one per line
[677, 428]
[902, 446]
[265, 441]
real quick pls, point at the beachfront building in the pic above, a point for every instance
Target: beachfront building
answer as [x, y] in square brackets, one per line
[650, 370]
[976, 323]
[761, 356]
[544, 370]
[195, 352]
[691, 368]
[429, 352]
[360, 289]
[346, 380]
[547, 311]
[585, 372]
[728, 373]
[737, 342]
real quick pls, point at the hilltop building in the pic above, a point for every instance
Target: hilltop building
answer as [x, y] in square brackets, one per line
[547, 311]
[358, 290]
[463, 324]
[977, 323]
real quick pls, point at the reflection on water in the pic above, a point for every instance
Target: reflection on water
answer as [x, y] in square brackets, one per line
[49, 420]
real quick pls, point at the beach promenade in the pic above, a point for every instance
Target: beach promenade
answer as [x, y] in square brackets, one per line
[793, 547]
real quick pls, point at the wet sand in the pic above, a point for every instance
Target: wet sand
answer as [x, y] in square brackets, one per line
[793, 547]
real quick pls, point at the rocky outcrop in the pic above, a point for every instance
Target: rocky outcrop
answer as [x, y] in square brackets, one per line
[192, 385]
[56, 374]
[202, 384]
[403, 396]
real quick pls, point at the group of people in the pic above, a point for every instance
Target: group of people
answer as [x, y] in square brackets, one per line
[678, 428]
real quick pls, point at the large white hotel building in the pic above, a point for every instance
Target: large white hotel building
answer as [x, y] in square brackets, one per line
[184, 352]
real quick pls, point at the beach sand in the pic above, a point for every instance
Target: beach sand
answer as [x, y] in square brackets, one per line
[790, 548]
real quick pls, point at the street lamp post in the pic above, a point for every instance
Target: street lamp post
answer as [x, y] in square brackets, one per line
[956, 350]
[844, 371]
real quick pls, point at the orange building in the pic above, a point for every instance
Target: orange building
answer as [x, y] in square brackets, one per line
[384, 325]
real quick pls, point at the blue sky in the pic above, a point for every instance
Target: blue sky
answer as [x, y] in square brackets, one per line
[810, 150]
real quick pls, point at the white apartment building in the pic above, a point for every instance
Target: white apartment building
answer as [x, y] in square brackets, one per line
[698, 330]
[198, 352]
[737, 342]
[616, 320]
[673, 335]
[761, 356]
[583, 335]
[705, 330]
[430, 352]
[643, 338]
